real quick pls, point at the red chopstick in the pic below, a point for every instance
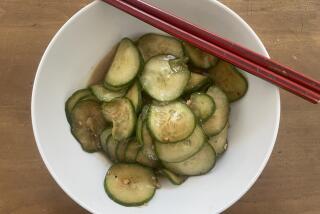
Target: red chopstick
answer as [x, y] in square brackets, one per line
[229, 45]
[213, 49]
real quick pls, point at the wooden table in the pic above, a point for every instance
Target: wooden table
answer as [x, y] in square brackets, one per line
[290, 183]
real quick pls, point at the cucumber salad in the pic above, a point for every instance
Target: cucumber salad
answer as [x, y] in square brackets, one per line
[161, 110]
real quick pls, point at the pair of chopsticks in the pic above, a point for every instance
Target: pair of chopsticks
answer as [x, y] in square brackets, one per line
[224, 49]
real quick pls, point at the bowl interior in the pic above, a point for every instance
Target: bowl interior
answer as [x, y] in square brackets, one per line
[66, 66]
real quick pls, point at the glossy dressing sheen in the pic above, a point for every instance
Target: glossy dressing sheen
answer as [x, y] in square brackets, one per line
[99, 72]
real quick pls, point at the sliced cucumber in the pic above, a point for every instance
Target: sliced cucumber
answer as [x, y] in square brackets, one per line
[73, 99]
[219, 119]
[201, 163]
[154, 44]
[121, 150]
[164, 77]
[171, 123]
[104, 139]
[132, 151]
[230, 80]
[220, 142]
[147, 161]
[202, 105]
[104, 94]
[125, 66]
[175, 179]
[199, 58]
[87, 124]
[205, 87]
[139, 130]
[148, 146]
[180, 151]
[121, 112]
[134, 95]
[116, 89]
[90, 97]
[112, 145]
[196, 82]
[141, 119]
[147, 155]
[130, 184]
[144, 112]
[168, 116]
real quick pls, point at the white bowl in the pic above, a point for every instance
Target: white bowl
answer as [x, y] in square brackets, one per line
[66, 66]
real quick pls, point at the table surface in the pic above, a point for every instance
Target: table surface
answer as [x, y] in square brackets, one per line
[290, 183]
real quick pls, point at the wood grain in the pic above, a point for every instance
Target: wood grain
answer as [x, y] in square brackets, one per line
[290, 183]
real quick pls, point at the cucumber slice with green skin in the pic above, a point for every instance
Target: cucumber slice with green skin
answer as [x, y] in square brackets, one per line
[117, 89]
[147, 155]
[73, 99]
[219, 118]
[181, 151]
[154, 44]
[121, 150]
[90, 97]
[104, 139]
[121, 112]
[196, 81]
[199, 164]
[112, 145]
[202, 105]
[171, 122]
[130, 184]
[220, 142]
[148, 146]
[147, 161]
[173, 178]
[199, 58]
[87, 124]
[206, 86]
[141, 119]
[125, 66]
[134, 95]
[164, 77]
[139, 130]
[132, 151]
[104, 94]
[230, 80]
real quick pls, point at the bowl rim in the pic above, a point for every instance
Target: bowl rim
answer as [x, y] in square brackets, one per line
[39, 70]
